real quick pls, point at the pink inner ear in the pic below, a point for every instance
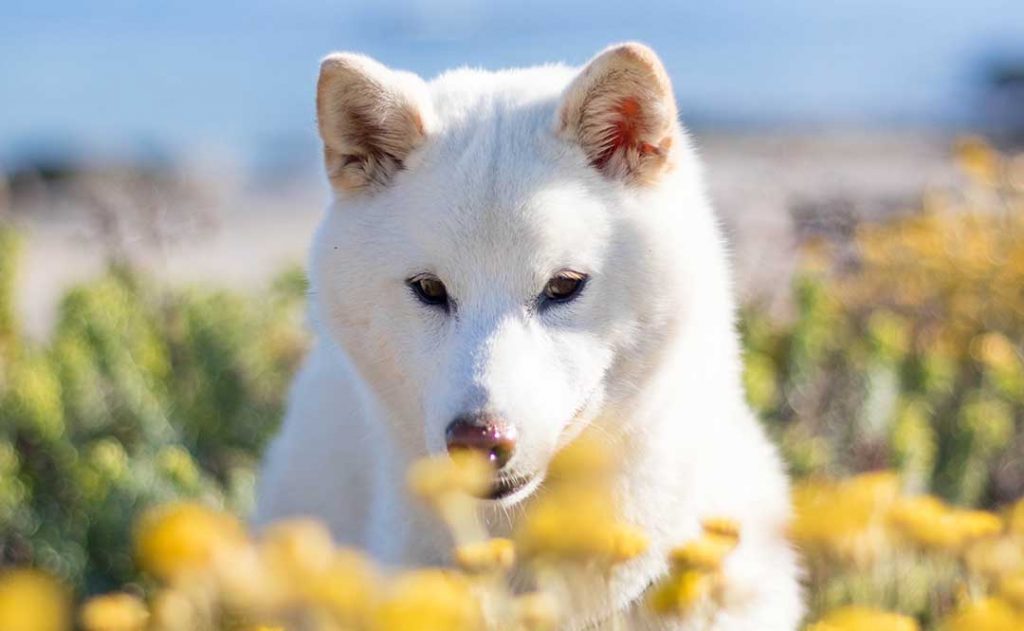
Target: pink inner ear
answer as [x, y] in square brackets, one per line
[624, 133]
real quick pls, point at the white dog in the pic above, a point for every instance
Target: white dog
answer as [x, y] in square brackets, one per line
[511, 257]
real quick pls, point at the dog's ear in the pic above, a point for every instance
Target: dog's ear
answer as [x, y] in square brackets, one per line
[370, 118]
[621, 111]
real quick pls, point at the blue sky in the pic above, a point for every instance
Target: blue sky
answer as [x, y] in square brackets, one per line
[109, 74]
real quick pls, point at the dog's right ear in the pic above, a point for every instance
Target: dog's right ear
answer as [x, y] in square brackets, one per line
[621, 111]
[370, 118]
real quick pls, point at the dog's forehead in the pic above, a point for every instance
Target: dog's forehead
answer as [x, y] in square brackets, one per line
[524, 220]
[494, 176]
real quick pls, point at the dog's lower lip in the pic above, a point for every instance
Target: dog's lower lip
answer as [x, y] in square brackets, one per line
[503, 487]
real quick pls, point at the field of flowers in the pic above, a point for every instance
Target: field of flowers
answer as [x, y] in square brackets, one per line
[129, 440]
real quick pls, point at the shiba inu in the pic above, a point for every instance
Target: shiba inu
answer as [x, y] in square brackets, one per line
[508, 258]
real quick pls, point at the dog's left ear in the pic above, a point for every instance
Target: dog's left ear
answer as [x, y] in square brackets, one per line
[621, 110]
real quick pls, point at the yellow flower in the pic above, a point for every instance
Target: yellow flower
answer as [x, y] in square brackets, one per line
[536, 611]
[430, 600]
[463, 472]
[1011, 588]
[297, 550]
[493, 555]
[586, 460]
[114, 612]
[930, 523]
[863, 619]
[976, 524]
[575, 518]
[349, 589]
[843, 519]
[302, 566]
[627, 543]
[680, 592]
[452, 486]
[576, 524]
[174, 611]
[703, 554]
[32, 601]
[989, 614]
[178, 538]
[1016, 518]
[722, 527]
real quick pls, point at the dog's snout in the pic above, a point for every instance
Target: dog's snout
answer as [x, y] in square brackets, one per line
[484, 433]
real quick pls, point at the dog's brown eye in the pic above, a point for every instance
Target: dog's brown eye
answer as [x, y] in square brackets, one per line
[429, 290]
[564, 286]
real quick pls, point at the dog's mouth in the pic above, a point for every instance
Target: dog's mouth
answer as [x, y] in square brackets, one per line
[505, 487]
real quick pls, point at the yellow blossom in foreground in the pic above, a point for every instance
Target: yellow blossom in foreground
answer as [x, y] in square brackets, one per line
[303, 566]
[452, 485]
[990, 614]
[486, 556]
[114, 612]
[575, 517]
[463, 472]
[536, 611]
[576, 524]
[722, 527]
[696, 577]
[348, 589]
[178, 538]
[174, 611]
[627, 543]
[32, 601]
[1011, 588]
[705, 553]
[863, 619]
[585, 460]
[680, 592]
[430, 600]
[297, 551]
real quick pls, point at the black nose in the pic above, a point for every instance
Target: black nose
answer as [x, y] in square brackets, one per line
[484, 433]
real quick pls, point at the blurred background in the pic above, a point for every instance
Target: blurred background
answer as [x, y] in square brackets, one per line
[160, 177]
[795, 104]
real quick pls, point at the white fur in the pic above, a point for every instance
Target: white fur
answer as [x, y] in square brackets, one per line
[494, 202]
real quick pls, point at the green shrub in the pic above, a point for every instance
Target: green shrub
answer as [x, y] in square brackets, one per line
[143, 394]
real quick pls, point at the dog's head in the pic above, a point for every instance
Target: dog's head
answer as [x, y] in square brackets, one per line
[500, 261]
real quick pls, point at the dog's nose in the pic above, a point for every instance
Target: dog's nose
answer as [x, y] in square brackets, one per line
[484, 433]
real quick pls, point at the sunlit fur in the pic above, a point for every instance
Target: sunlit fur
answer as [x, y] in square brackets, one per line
[502, 192]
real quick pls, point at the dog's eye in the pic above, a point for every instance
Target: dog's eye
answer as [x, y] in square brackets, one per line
[430, 290]
[563, 287]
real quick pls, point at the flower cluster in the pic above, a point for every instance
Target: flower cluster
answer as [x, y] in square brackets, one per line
[207, 573]
[696, 584]
[869, 544]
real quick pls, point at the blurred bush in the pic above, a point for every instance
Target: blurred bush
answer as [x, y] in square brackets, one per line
[906, 347]
[143, 394]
